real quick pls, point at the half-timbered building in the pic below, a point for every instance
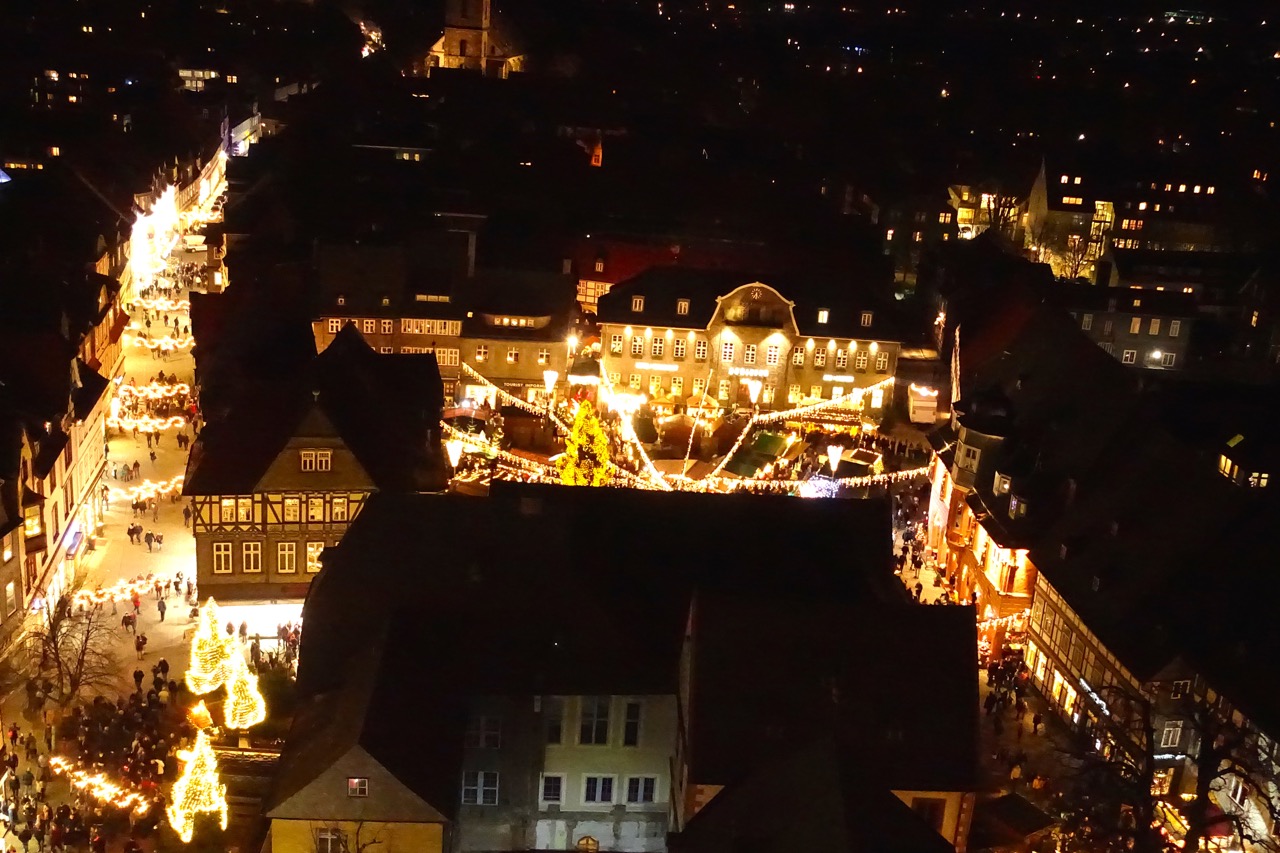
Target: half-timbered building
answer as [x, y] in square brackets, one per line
[284, 472]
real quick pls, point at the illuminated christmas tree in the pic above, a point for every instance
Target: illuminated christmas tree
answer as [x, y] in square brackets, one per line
[585, 461]
[198, 790]
[245, 706]
[211, 653]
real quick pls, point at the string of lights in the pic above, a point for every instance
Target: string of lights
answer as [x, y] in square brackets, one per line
[119, 591]
[147, 490]
[168, 343]
[513, 400]
[854, 395]
[99, 787]
[163, 304]
[1012, 619]
[630, 436]
[146, 423]
[153, 391]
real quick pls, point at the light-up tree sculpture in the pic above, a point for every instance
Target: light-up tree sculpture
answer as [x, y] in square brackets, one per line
[211, 653]
[198, 790]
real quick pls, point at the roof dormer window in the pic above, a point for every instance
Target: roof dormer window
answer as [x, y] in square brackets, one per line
[823, 315]
[342, 300]
[637, 304]
[1258, 480]
[386, 300]
[866, 319]
[1017, 506]
[1002, 484]
[682, 307]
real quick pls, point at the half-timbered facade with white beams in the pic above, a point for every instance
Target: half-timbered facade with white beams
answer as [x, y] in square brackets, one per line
[283, 475]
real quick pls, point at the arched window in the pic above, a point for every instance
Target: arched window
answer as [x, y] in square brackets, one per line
[587, 844]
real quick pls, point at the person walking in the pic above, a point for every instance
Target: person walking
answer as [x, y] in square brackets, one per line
[161, 606]
[1036, 722]
[186, 516]
[140, 645]
[150, 539]
[137, 679]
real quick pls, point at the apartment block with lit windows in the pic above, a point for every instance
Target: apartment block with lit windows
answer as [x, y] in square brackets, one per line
[1146, 329]
[676, 334]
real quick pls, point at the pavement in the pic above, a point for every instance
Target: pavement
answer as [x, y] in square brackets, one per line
[115, 559]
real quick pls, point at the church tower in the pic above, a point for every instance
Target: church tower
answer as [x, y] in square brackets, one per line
[466, 33]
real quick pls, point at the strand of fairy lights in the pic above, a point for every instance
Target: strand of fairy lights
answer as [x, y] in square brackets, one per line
[120, 591]
[147, 490]
[168, 343]
[164, 304]
[514, 400]
[146, 423]
[100, 787]
[854, 396]
[153, 391]
[629, 435]
[548, 471]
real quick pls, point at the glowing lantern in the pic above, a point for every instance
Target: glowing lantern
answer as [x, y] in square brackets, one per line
[833, 456]
[453, 447]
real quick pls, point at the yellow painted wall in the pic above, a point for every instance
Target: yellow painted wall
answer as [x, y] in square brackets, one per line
[298, 836]
[951, 818]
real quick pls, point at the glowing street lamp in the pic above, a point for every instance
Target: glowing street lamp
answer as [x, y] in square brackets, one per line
[549, 378]
[833, 456]
[453, 447]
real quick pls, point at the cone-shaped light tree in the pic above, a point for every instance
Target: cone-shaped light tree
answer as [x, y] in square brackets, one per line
[197, 790]
[585, 461]
[245, 706]
[211, 653]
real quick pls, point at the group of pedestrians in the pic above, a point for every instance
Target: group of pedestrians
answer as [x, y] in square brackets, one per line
[153, 539]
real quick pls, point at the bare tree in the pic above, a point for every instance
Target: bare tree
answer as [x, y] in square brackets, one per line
[1073, 256]
[332, 837]
[1116, 797]
[76, 649]
[999, 208]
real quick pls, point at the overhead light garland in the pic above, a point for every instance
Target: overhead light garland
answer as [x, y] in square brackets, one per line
[198, 790]
[513, 400]
[212, 651]
[168, 343]
[245, 707]
[99, 787]
[1012, 619]
[154, 391]
[119, 591]
[164, 304]
[147, 490]
[146, 423]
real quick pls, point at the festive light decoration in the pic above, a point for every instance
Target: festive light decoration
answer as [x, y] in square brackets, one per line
[199, 715]
[168, 343]
[99, 787]
[1012, 619]
[585, 461]
[120, 591]
[244, 707]
[834, 451]
[513, 400]
[198, 790]
[211, 653]
[164, 304]
[147, 490]
[854, 396]
[147, 423]
[154, 391]
[454, 447]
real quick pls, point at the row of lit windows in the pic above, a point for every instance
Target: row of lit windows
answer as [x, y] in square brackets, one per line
[543, 355]
[1256, 479]
[674, 384]
[408, 326]
[1154, 325]
[480, 788]
[251, 557]
[239, 510]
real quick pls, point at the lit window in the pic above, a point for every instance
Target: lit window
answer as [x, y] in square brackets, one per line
[797, 356]
[388, 327]
[599, 267]
[1154, 327]
[823, 315]
[31, 523]
[815, 392]
[866, 319]
[724, 389]
[1142, 205]
[1172, 734]
[700, 350]
[1129, 356]
[1135, 325]
[726, 351]
[860, 360]
[637, 346]
[55, 151]
[1182, 188]
[338, 509]
[335, 324]
[888, 235]
[1065, 179]
[615, 345]
[657, 347]
[749, 354]
[482, 352]
[1076, 180]
[637, 303]
[368, 326]
[1258, 479]
[842, 359]
[882, 362]
[513, 355]
[793, 394]
[357, 786]
[314, 550]
[772, 355]
[820, 358]
[944, 218]
[544, 356]
[634, 381]
[682, 307]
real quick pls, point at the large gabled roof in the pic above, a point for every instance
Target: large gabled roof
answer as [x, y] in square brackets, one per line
[384, 408]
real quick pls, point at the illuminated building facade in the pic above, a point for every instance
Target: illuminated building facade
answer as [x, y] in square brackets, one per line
[284, 472]
[675, 334]
[473, 40]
